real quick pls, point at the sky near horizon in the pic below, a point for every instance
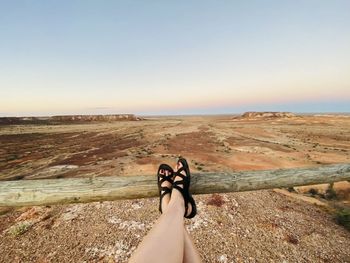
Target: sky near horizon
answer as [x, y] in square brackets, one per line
[173, 57]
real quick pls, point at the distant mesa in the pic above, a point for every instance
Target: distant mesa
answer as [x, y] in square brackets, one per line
[68, 119]
[89, 118]
[267, 115]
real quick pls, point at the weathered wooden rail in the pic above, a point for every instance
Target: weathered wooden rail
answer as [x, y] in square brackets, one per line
[81, 190]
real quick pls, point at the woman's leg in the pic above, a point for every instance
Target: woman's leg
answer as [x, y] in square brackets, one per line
[191, 253]
[165, 241]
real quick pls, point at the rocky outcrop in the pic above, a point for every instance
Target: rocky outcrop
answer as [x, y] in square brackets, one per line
[67, 119]
[267, 115]
[89, 118]
[23, 120]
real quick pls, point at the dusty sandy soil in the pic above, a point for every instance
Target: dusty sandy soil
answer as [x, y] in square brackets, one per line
[261, 226]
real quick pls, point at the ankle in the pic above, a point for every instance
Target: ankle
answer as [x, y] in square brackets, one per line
[176, 202]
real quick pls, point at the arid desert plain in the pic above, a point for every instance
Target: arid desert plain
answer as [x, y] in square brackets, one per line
[274, 225]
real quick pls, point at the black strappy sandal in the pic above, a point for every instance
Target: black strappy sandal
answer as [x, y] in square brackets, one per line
[163, 178]
[185, 191]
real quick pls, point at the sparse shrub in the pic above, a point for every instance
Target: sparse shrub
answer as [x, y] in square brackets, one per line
[331, 193]
[322, 196]
[215, 200]
[11, 157]
[20, 228]
[291, 189]
[313, 191]
[343, 218]
[17, 177]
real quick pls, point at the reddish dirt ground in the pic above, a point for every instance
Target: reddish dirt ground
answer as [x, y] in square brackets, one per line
[215, 142]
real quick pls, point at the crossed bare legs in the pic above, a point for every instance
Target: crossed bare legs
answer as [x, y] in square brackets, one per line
[168, 240]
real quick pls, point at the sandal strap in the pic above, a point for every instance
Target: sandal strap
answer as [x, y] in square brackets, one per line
[184, 181]
[164, 178]
[180, 174]
[183, 187]
[163, 190]
[183, 176]
[181, 182]
[182, 168]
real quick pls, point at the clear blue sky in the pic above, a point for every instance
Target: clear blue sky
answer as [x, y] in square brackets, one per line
[173, 57]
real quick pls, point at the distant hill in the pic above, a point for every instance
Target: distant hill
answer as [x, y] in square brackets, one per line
[67, 119]
[267, 114]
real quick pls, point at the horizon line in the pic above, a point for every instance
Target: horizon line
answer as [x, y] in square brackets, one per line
[175, 114]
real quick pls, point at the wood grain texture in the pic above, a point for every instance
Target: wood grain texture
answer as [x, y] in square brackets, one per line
[82, 190]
